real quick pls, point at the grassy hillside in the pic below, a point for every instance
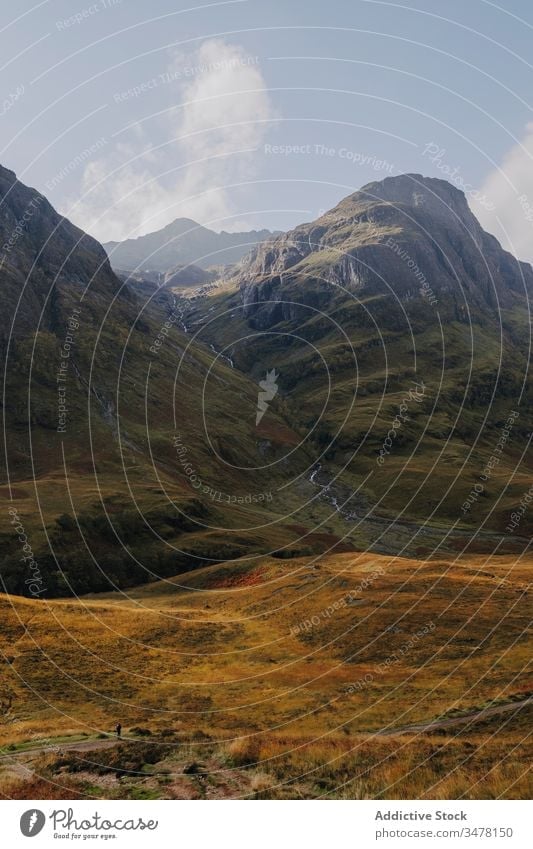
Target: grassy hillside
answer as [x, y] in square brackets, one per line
[278, 679]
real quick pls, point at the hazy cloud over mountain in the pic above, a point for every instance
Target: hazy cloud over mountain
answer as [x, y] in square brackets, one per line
[222, 114]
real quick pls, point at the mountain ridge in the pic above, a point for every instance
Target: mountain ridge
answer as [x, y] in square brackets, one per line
[349, 242]
[182, 242]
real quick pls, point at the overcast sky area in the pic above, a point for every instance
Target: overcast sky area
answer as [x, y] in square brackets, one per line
[249, 114]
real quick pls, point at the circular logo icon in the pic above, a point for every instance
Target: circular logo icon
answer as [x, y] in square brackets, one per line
[32, 822]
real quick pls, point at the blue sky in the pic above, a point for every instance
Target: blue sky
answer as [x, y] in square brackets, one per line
[254, 114]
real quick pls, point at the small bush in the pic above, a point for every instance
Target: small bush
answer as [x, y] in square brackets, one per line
[260, 785]
[244, 751]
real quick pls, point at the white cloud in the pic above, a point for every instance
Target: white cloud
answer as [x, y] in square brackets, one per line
[510, 190]
[227, 109]
[118, 197]
[223, 110]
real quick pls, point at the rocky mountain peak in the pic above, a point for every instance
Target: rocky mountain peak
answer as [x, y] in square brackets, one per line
[373, 239]
[417, 191]
[407, 200]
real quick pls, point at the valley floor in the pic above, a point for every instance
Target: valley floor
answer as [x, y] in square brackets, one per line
[343, 676]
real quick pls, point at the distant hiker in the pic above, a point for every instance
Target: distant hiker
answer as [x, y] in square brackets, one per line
[118, 729]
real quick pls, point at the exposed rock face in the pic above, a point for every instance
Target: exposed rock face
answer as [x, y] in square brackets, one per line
[182, 242]
[408, 237]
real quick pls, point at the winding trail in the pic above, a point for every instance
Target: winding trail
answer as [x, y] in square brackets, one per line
[89, 745]
[453, 721]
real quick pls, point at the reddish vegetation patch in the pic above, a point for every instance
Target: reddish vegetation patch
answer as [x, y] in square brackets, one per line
[296, 529]
[246, 579]
[469, 546]
[5, 492]
[333, 543]
[277, 433]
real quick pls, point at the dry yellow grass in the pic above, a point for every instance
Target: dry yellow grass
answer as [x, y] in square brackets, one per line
[292, 665]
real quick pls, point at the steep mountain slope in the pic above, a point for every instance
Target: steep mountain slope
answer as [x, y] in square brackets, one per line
[180, 243]
[130, 451]
[400, 332]
[401, 237]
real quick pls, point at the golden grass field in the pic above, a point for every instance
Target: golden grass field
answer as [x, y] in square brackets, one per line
[272, 679]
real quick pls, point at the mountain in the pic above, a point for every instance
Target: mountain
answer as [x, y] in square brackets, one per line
[386, 346]
[182, 242]
[130, 450]
[400, 334]
[402, 237]
[386, 349]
